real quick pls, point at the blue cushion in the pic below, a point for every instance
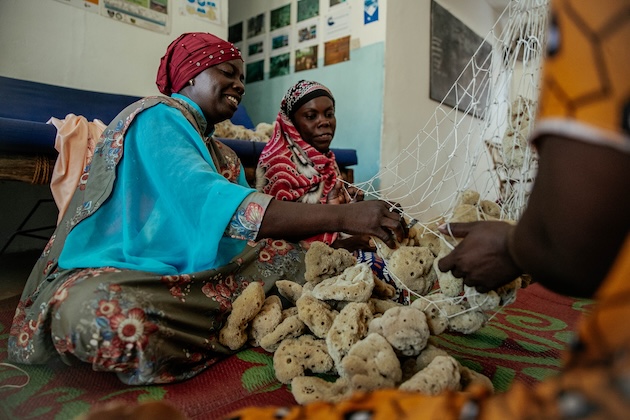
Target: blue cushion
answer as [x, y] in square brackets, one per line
[249, 152]
[241, 117]
[26, 106]
[27, 137]
[32, 101]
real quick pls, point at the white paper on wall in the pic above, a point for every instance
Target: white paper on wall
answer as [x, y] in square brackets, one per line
[155, 17]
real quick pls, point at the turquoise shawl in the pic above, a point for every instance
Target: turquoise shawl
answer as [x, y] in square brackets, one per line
[169, 206]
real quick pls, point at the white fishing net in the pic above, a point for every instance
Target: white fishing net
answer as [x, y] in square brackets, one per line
[472, 161]
[454, 151]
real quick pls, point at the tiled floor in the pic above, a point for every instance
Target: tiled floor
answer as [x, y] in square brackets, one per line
[14, 270]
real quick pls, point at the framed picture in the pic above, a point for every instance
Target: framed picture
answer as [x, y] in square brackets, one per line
[337, 51]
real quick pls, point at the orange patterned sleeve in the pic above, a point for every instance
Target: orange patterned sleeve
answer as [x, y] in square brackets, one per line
[585, 87]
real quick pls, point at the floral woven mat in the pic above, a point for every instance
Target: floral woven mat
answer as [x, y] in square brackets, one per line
[523, 342]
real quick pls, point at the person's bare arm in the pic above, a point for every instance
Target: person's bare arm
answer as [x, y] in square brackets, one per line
[576, 219]
[291, 220]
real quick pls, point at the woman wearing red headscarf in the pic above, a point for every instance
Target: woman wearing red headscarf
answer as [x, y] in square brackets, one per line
[163, 233]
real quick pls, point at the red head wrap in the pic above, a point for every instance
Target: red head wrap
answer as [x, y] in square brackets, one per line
[189, 55]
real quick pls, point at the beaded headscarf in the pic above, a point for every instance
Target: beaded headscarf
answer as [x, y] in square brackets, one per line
[300, 93]
[189, 55]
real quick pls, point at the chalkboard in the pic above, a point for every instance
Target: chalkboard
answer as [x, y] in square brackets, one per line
[453, 44]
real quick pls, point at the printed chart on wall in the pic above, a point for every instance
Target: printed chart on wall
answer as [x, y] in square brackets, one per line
[87, 5]
[148, 14]
[370, 11]
[208, 11]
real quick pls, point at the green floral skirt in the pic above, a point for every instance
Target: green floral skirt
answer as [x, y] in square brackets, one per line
[144, 327]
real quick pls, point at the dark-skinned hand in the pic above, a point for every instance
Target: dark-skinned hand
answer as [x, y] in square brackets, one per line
[376, 213]
[482, 259]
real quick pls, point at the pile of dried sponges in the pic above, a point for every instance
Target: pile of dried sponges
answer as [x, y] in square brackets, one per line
[342, 323]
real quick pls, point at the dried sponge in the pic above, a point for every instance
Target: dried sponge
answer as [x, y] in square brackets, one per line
[290, 327]
[440, 375]
[295, 356]
[413, 266]
[316, 314]
[266, 320]
[308, 389]
[349, 327]
[323, 262]
[355, 284]
[246, 306]
[405, 329]
[371, 364]
[449, 284]
[289, 290]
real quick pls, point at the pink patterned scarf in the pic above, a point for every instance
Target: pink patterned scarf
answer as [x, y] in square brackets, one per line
[291, 169]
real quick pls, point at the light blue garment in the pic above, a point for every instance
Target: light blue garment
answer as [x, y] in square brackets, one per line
[169, 207]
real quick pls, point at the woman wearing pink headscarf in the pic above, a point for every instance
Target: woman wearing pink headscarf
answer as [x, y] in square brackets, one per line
[163, 233]
[292, 166]
[298, 165]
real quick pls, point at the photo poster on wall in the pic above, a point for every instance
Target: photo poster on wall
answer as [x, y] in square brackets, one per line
[208, 11]
[306, 58]
[370, 11]
[91, 6]
[280, 30]
[279, 65]
[255, 71]
[148, 14]
[280, 17]
[280, 41]
[307, 9]
[307, 32]
[235, 33]
[255, 25]
[453, 44]
[337, 51]
[256, 48]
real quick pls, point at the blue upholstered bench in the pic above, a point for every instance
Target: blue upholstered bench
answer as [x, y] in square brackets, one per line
[27, 150]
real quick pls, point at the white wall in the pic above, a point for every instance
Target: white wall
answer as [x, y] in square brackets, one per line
[407, 106]
[51, 42]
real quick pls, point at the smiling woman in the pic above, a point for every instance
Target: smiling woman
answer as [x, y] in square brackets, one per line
[163, 233]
